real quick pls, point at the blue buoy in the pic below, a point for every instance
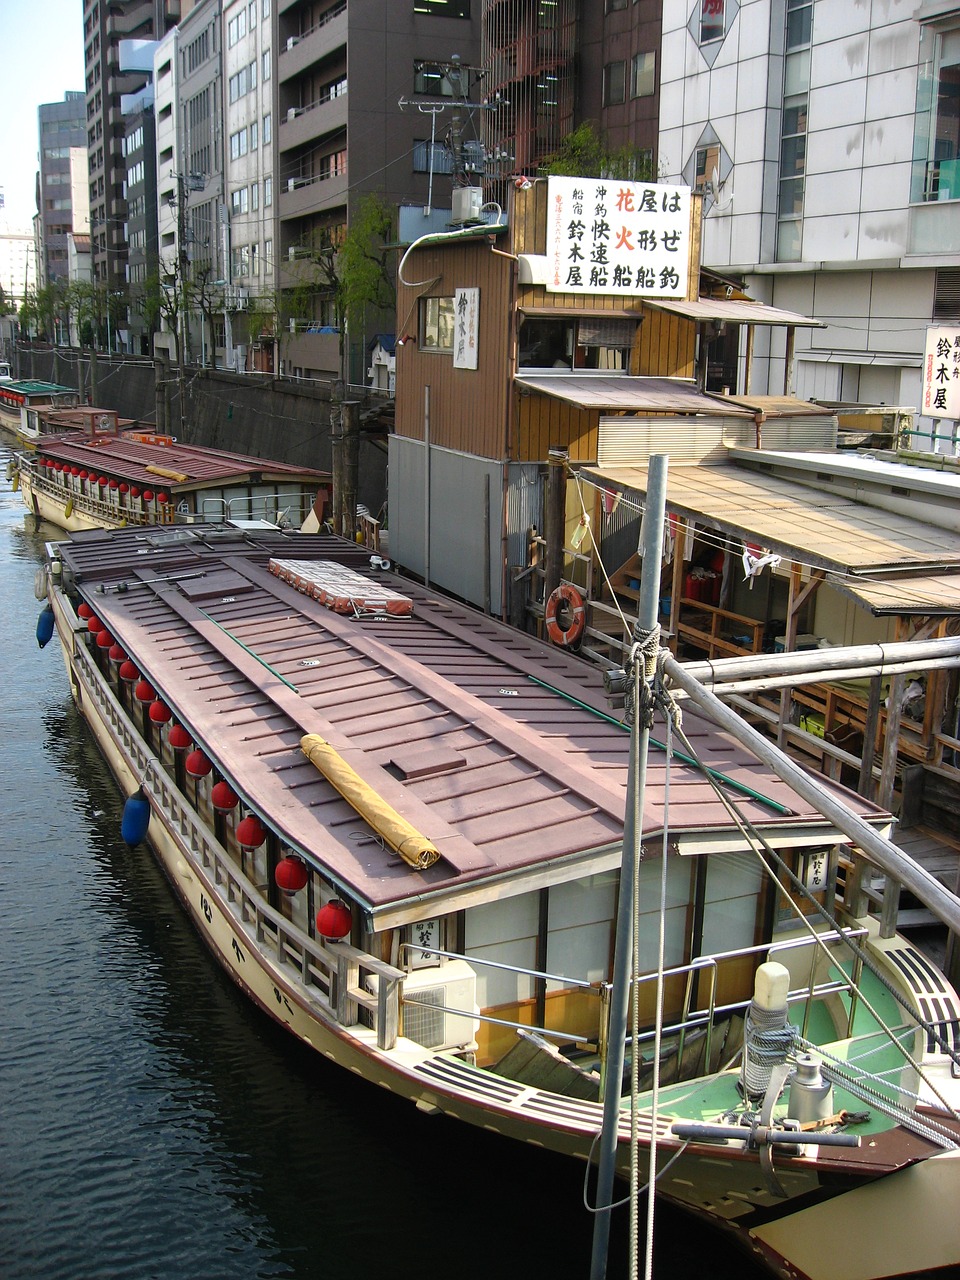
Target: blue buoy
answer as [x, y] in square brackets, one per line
[45, 626]
[136, 818]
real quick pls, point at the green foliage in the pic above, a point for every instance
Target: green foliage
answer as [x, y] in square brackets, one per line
[363, 264]
[585, 154]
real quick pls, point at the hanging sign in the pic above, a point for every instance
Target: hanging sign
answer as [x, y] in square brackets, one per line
[941, 373]
[466, 317]
[626, 239]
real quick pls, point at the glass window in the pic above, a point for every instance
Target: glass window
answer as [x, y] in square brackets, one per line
[614, 83]
[936, 174]
[267, 122]
[255, 195]
[268, 191]
[266, 64]
[711, 20]
[268, 257]
[643, 75]
[265, 9]
[443, 8]
[254, 259]
[430, 80]
[436, 324]
[799, 23]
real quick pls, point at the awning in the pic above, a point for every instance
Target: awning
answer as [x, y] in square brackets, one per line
[734, 311]
[622, 393]
[927, 594]
[799, 522]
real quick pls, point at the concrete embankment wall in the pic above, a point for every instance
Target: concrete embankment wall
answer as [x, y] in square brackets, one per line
[248, 413]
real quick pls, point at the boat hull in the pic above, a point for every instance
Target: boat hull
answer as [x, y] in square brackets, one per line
[723, 1185]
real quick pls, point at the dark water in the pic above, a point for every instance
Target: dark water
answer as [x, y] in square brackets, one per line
[154, 1124]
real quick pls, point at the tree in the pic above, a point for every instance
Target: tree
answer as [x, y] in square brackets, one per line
[365, 280]
[584, 154]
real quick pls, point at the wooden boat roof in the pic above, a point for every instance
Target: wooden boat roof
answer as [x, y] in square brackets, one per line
[501, 749]
[125, 457]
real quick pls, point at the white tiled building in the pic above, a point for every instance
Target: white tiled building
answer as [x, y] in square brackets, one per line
[826, 134]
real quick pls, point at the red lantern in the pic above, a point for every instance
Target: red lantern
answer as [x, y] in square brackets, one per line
[104, 638]
[334, 920]
[291, 874]
[144, 692]
[197, 764]
[250, 832]
[84, 610]
[160, 713]
[178, 738]
[163, 498]
[134, 491]
[148, 495]
[129, 673]
[74, 471]
[223, 797]
[102, 481]
[84, 475]
[116, 653]
[124, 488]
[114, 484]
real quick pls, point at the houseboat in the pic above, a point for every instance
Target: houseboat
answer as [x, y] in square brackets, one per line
[88, 472]
[399, 824]
[19, 396]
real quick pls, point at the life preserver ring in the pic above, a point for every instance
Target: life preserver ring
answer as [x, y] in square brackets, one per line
[565, 615]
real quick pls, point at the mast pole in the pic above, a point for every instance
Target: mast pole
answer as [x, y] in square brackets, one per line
[639, 675]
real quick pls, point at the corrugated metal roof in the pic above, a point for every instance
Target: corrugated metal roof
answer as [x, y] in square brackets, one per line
[499, 748]
[129, 459]
[927, 594]
[734, 310]
[823, 529]
[625, 393]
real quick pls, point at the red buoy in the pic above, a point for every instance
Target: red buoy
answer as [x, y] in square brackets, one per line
[223, 797]
[250, 832]
[291, 874]
[334, 920]
[144, 692]
[178, 738]
[129, 673]
[197, 764]
[160, 713]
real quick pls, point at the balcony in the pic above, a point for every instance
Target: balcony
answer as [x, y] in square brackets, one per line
[303, 195]
[933, 229]
[304, 124]
[301, 52]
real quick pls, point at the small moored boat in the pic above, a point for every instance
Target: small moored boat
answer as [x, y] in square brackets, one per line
[399, 825]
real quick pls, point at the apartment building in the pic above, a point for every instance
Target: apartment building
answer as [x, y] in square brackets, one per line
[340, 132]
[826, 138]
[62, 140]
[109, 77]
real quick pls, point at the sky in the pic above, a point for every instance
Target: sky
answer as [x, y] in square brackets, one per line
[43, 40]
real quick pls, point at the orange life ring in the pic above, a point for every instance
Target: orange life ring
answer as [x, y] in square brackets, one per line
[565, 615]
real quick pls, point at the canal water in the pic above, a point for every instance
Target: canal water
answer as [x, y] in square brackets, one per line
[155, 1124]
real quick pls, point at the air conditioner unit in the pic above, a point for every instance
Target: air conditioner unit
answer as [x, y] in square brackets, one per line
[467, 203]
[291, 184]
[292, 113]
[444, 1015]
[242, 299]
[292, 42]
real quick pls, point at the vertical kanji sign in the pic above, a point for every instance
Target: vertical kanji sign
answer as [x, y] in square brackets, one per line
[941, 373]
[466, 318]
[620, 238]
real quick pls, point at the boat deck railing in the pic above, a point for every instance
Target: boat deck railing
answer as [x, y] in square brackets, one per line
[112, 512]
[700, 1012]
[335, 978]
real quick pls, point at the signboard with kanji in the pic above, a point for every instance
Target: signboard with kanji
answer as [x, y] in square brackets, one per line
[627, 239]
[466, 317]
[941, 373]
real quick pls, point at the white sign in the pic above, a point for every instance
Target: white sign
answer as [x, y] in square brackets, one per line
[466, 317]
[941, 373]
[627, 239]
[424, 942]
